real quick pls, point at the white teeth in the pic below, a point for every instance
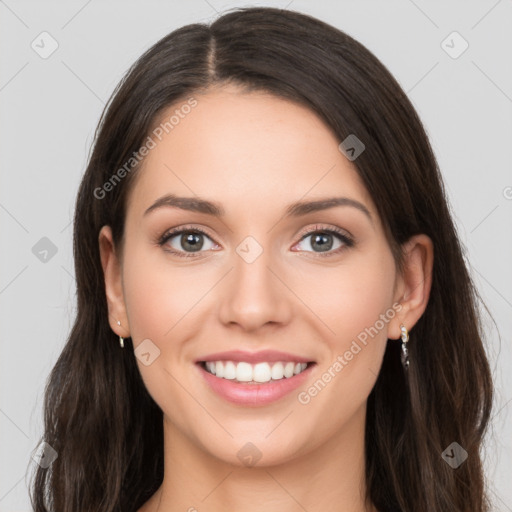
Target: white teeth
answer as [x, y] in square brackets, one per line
[243, 372]
[260, 372]
[277, 371]
[288, 370]
[230, 370]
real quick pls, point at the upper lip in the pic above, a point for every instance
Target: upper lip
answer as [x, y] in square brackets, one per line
[262, 356]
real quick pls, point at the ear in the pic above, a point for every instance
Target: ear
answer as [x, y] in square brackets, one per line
[112, 272]
[414, 284]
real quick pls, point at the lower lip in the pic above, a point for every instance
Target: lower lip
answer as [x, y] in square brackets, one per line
[254, 394]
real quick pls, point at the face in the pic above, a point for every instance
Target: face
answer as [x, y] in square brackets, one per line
[264, 283]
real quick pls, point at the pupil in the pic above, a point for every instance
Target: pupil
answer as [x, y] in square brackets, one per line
[322, 243]
[190, 239]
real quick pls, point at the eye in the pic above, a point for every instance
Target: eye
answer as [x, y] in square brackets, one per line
[324, 239]
[188, 241]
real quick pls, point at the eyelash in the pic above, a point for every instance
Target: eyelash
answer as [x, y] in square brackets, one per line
[348, 241]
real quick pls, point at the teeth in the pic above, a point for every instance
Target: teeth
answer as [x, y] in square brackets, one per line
[243, 372]
[288, 370]
[260, 372]
[219, 369]
[277, 371]
[229, 370]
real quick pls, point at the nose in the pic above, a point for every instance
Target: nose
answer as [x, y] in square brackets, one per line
[254, 293]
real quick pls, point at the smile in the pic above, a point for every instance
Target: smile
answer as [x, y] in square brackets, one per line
[253, 385]
[254, 373]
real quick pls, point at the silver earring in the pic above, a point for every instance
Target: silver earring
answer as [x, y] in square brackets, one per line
[405, 353]
[121, 339]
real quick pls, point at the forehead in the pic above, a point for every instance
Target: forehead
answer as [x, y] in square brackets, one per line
[251, 150]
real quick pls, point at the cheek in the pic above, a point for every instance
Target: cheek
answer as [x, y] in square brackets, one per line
[357, 307]
[160, 302]
[357, 295]
[160, 294]
[350, 297]
[163, 301]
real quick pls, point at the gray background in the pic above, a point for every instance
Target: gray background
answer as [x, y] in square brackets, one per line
[50, 108]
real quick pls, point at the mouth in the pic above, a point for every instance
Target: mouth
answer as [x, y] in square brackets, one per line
[254, 384]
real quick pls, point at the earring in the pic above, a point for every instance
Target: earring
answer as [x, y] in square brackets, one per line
[121, 339]
[405, 352]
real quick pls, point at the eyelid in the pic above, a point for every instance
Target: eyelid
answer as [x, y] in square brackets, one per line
[185, 227]
[326, 229]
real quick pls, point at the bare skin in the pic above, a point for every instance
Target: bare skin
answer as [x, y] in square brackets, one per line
[255, 154]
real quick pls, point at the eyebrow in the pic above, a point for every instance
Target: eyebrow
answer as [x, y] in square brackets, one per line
[297, 209]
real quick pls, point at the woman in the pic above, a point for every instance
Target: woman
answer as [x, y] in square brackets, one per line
[263, 223]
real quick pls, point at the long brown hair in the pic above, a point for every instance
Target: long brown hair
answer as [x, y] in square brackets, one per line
[98, 415]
